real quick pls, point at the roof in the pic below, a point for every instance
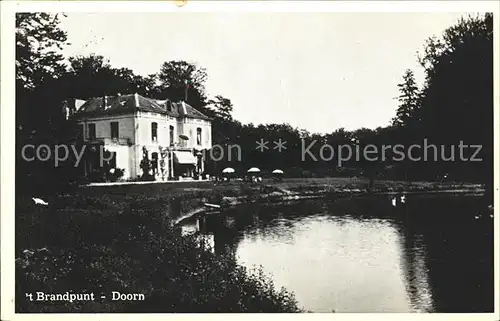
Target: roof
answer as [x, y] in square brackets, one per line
[125, 104]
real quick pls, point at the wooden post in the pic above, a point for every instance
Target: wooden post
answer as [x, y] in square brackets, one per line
[202, 163]
[172, 163]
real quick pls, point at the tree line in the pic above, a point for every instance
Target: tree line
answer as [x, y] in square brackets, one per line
[454, 104]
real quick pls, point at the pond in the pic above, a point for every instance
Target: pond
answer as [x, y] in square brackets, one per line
[363, 254]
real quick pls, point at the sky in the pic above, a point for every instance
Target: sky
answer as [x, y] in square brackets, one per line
[315, 71]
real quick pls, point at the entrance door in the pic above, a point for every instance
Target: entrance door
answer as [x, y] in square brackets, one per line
[154, 163]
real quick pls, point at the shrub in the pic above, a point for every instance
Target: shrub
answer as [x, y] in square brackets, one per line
[146, 166]
[115, 174]
[101, 242]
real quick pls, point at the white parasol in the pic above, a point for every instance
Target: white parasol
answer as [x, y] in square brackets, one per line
[228, 170]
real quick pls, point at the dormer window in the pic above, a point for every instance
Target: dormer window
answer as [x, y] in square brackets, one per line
[169, 105]
[105, 104]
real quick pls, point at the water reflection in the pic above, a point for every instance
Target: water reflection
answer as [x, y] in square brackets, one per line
[362, 254]
[415, 266]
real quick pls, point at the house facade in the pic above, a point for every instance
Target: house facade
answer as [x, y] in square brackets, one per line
[173, 135]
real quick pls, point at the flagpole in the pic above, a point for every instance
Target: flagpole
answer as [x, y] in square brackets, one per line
[186, 90]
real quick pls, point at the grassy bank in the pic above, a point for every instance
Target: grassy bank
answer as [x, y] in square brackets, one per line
[338, 184]
[121, 239]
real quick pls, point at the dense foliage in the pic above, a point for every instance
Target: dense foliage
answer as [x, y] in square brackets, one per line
[93, 241]
[454, 104]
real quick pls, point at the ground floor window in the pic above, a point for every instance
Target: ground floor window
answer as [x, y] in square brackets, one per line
[112, 161]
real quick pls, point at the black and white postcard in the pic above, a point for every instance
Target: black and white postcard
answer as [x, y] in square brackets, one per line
[250, 157]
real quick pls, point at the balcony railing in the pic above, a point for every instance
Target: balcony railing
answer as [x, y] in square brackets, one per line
[178, 146]
[111, 141]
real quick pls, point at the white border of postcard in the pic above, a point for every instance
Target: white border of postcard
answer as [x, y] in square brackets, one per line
[8, 10]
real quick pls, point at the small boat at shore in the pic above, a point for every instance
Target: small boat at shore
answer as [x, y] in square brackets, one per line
[212, 205]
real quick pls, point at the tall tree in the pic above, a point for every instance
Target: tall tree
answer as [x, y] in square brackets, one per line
[93, 75]
[38, 42]
[409, 100]
[221, 108]
[181, 80]
[38, 61]
[457, 103]
[39, 64]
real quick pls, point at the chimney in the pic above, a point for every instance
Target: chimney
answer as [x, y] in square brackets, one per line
[104, 102]
[70, 106]
[136, 96]
[67, 108]
[184, 109]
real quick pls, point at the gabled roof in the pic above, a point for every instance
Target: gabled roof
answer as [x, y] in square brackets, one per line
[125, 104]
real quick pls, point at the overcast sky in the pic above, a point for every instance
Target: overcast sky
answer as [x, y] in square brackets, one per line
[317, 71]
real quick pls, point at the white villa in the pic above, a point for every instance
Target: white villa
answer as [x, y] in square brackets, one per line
[174, 132]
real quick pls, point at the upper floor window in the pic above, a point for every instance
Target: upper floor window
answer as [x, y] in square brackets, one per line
[92, 131]
[198, 136]
[154, 132]
[114, 129]
[171, 134]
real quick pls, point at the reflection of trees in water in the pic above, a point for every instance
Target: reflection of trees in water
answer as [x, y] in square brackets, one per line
[443, 244]
[361, 207]
[379, 210]
[447, 259]
[225, 236]
[226, 241]
[254, 219]
[461, 270]
[414, 263]
[447, 256]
